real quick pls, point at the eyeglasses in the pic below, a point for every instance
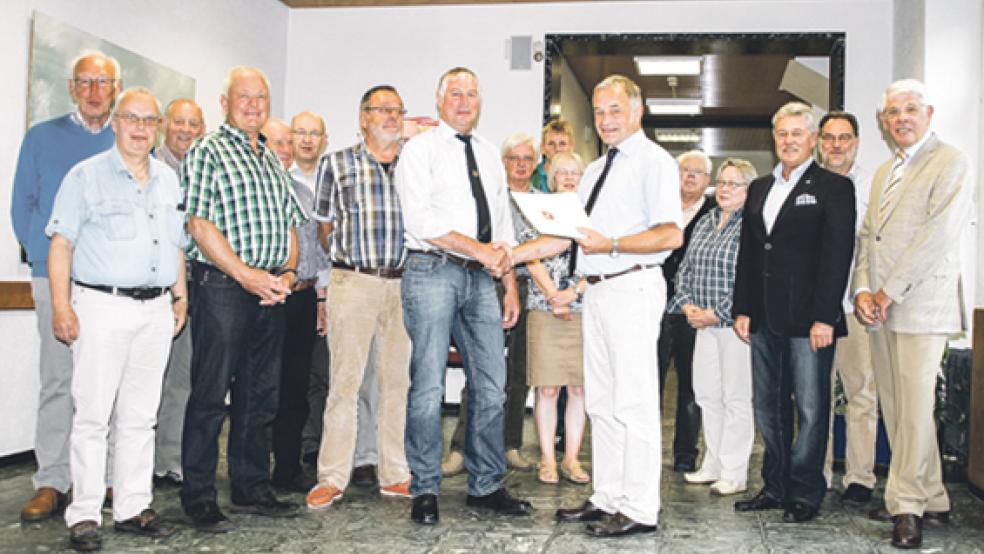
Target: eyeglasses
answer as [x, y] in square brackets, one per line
[911, 110]
[527, 159]
[795, 134]
[692, 172]
[386, 110]
[304, 133]
[729, 184]
[136, 120]
[568, 173]
[88, 82]
[830, 137]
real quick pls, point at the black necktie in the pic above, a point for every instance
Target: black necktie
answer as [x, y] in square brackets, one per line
[592, 198]
[478, 193]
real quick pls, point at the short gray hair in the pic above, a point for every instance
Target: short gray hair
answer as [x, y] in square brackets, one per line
[631, 89]
[518, 139]
[442, 84]
[137, 90]
[743, 166]
[89, 53]
[904, 86]
[704, 158]
[798, 109]
[558, 159]
[231, 75]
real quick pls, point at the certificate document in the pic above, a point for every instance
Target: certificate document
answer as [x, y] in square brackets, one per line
[558, 214]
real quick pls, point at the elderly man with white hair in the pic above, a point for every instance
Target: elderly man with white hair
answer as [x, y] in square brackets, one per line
[908, 290]
[797, 239]
[116, 250]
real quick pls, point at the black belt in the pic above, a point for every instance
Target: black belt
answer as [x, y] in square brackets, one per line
[136, 293]
[456, 260]
[383, 272]
[595, 279]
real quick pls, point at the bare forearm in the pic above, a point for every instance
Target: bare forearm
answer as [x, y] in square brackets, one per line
[215, 247]
[542, 247]
[461, 244]
[324, 235]
[294, 252]
[60, 272]
[180, 287]
[542, 278]
[666, 236]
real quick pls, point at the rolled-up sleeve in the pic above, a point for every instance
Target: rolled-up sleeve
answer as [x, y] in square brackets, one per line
[415, 185]
[662, 193]
[69, 210]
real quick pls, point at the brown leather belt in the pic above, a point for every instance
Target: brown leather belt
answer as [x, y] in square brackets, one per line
[304, 284]
[383, 272]
[456, 260]
[595, 279]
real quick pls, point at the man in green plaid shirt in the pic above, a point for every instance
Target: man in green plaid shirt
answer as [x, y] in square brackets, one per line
[242, 215]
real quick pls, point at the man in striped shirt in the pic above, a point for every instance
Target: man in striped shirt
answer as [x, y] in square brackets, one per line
[242, 216]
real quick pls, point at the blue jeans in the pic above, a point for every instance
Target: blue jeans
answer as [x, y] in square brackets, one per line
[784, 370]
[441, 299]
[237, 344]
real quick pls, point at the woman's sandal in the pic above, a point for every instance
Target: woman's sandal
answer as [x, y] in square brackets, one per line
[575, 473]
[547, 474]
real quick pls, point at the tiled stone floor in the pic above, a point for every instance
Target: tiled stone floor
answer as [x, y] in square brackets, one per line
[363, 522]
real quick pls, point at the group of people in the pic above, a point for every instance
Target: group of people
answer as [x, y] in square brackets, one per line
[168, 278]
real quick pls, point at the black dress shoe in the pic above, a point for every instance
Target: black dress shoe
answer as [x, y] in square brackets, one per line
[268, 505]
[684, 464]
[298, 483]
[798, 512]
[424, 510]
[856, 494]
[617, 526]
[760, 501]
[84, 536]
[931, 519]
[365, 476]
[586, 512]
[501, 502]
[147, 524]
[208, 518]
[169, 480]
[907, 532]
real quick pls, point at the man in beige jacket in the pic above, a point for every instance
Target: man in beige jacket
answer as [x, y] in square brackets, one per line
[908, 291]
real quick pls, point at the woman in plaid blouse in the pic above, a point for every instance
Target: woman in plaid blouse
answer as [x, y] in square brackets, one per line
[722, 362]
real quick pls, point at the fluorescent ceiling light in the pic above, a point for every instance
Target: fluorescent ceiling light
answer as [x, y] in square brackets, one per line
[674, 106]
[677, 136]
[668, 65]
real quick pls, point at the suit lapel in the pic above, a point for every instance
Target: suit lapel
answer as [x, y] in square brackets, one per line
[910, 176]
[804, 184]
[759, 203]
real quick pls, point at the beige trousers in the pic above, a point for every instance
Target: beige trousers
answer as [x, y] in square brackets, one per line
[906, 367]
[360, 308]
[852, 361]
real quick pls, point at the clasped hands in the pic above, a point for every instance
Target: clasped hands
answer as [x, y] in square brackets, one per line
[272, 289]
[872, 309]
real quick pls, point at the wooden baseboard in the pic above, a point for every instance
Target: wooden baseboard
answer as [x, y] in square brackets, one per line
[16, 295]
[975, 447]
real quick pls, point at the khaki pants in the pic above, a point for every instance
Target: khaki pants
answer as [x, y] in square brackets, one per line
[362, 307]
[852, 362]
[906, 367]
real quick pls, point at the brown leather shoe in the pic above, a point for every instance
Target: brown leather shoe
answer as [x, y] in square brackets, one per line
[907, 532]
[931, 519]
[585, 513]
[45, 502]
[617, 526]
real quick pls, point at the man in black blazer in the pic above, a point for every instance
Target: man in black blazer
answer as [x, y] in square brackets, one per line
[676, 336]
[796, 245]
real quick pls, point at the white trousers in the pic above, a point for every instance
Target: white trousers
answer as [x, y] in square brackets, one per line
[621, 385]
[119, 361]
[852, 361]
[723, 390]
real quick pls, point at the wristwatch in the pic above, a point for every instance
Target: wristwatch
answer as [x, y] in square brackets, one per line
[615, 252]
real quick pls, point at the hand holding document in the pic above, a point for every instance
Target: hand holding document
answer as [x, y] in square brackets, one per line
[558, 214]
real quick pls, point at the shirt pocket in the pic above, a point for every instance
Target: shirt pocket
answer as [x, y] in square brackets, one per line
[116, 218]
[350, 192]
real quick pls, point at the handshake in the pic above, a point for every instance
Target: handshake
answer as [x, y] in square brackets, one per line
[497, 258]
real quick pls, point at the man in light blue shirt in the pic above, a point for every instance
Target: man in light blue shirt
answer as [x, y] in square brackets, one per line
[116, 248]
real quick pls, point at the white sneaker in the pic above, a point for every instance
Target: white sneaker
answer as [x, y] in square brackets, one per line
[701, 477]
[726, 488]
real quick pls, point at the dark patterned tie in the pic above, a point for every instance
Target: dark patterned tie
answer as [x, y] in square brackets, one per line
[478, 193]
[592, 198]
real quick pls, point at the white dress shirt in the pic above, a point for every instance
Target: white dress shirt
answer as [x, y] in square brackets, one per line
[642, 190]
[780, 191]
[435, 192]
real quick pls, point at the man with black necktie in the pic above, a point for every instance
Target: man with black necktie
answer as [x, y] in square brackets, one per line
[632, 198]
[453, 193]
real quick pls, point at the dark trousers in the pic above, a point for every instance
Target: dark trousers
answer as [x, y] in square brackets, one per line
[516, 387]
[236, 346]
[317, 394]
[676, 343]
[292, 412]
[784, 368]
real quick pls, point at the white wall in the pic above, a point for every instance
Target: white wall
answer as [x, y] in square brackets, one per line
[411, 46]
[200, 39]
[575, 107]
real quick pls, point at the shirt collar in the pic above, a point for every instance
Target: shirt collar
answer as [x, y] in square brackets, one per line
[794, 175]
[77, 118]
[912, 150]
[631, 143]
[238, 134]
[116, 159]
